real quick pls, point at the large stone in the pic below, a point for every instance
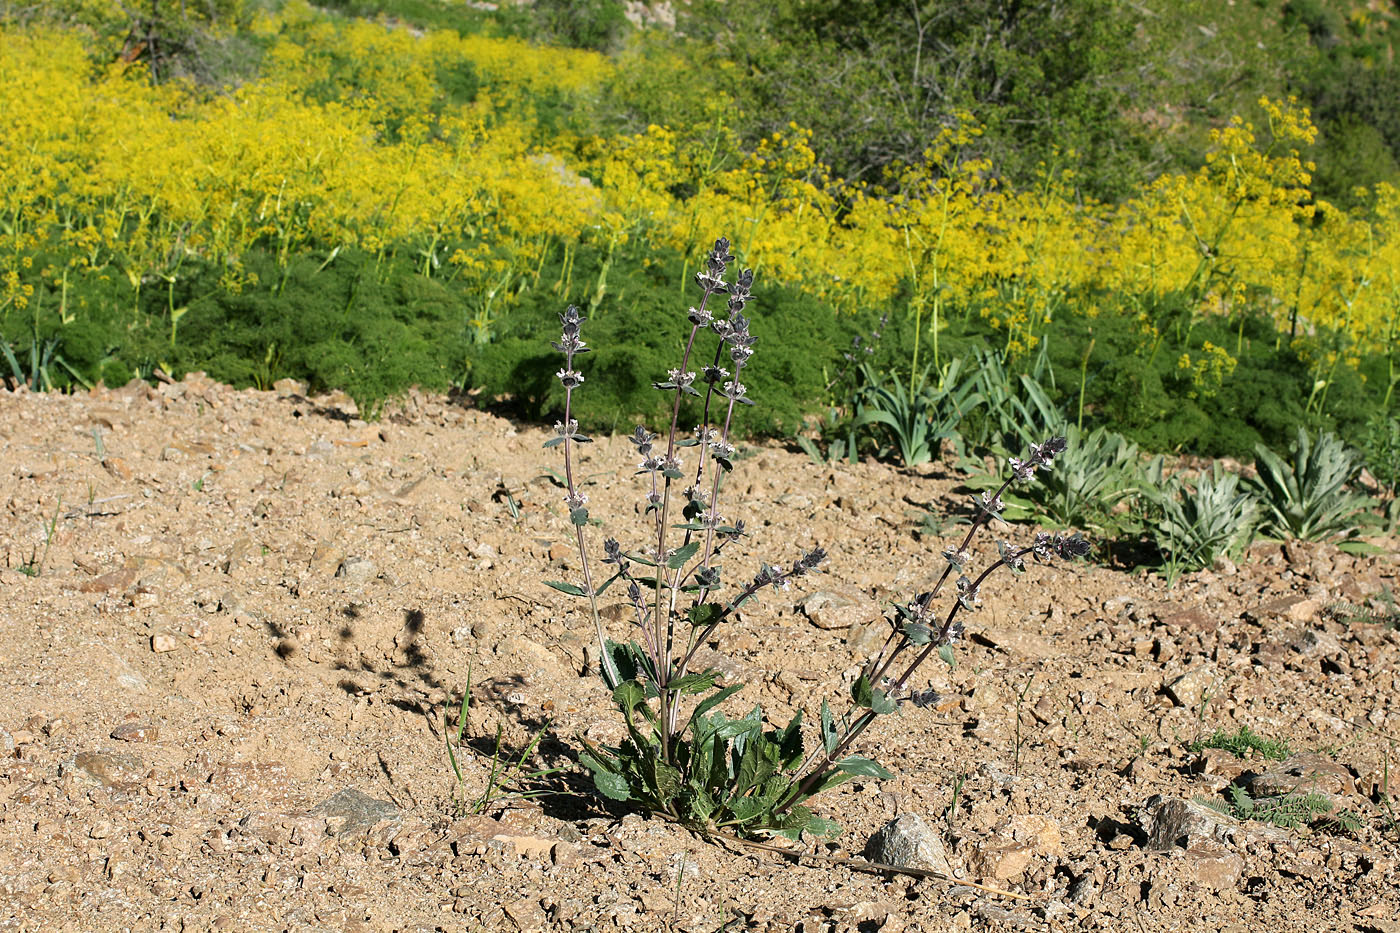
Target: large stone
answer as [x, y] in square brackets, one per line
[1307, 773]
[1205, 837]
[111, 769]
[1014, 844]
[351, 812]
[909, 842]
[1174, 822]
[1191, 688]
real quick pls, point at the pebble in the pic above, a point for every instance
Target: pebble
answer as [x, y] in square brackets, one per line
[1009, 851]
[1190, 688]
[136, 732]
[163, 642]
[356, 569]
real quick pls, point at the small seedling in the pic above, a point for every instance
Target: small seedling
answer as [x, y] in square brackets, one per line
[1245, 743]
[1289, 811]
[950, 815]
[35, 566]
[507, 778]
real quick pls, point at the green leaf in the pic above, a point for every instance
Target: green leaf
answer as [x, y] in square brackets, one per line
[1360, 548]
[705, 614]
[945, 652]
[665, 780]
[629, 695]
[863, 767]
[692, 683]
[569, 588]
[682, 554]
[553, 442]
[579, 516]
[917, 633]
[864, 695]
[822, 827]
[712, 701]
[829, 736]
[612, 786]
[789, 742]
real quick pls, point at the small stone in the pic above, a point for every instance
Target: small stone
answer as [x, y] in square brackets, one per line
[117, 467]
[1220, 762]
[1018, 643]
[326, 560]
[907, 841]
[1191, 688]
[163, 642]
[111, 769]
[834, 610]
[356, 569]
[865, 639]
[1316, 643]
[526, 914]
[289, 388]
[136, 732]
[101, 829]
[263, 782]
[352, 812]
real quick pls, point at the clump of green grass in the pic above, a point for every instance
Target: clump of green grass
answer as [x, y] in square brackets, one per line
[1245, 743]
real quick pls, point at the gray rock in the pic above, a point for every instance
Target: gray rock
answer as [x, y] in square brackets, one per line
[356, 569]
[351, 812]
[839, 609]
[909, 842]
[1174, 822]
[1207, 836]
[110, 769]
[1307, 773]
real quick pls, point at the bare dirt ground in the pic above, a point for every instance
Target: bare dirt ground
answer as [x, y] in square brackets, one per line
[248, 618]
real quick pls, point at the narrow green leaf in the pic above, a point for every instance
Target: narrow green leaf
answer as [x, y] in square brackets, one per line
[829, 736]
[569, 588]
[863, 767]
[553, 442]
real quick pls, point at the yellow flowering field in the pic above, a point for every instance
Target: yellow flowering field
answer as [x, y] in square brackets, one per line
[476, 159]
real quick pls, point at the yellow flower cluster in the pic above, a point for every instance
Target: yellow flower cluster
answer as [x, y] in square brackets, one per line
[429, 146]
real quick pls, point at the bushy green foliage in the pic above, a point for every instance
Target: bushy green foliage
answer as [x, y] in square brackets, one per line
[913, 422]
[1098, 469]
[1192, 525]
[1305, 496]
[1290, 811]
[632, 341]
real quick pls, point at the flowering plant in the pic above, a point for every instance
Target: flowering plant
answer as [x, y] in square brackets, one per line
[691, 762]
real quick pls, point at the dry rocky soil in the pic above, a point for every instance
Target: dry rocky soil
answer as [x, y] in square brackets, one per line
[235, 628]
